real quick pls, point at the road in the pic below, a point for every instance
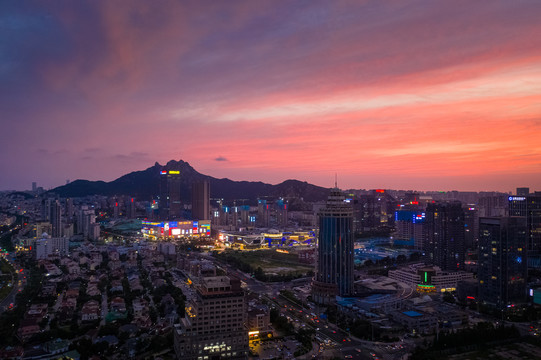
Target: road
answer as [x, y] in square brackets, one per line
[341, 341]
[17, 286]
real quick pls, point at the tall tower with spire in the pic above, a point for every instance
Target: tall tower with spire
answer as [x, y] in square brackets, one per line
[335, 250]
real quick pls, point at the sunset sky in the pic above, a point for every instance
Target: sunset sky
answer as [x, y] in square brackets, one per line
[427, 95]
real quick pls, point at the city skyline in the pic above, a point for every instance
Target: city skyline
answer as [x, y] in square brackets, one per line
[427, 96]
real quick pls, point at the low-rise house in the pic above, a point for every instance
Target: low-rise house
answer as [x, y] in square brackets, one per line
[51, 269]
[116, 286]
[72, 293]
[36, 311]
[48, 290]
[27, 328]
[57, 346]
[92, 289]
[90, 311]
[118, 305]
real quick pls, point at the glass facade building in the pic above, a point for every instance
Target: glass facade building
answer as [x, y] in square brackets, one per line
[335, 250]
[502, 268]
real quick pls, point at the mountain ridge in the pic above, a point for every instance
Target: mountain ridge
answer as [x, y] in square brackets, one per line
[144, 185]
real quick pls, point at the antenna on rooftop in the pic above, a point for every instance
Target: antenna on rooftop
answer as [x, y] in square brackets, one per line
[335, 180]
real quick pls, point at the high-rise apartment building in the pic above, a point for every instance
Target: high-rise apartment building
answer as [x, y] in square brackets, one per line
[69, 210]
[471, 227]
[201, 200]
[55, 218]
[492, 205]
[170, 206]
[116, 209]
[444, 241]
[263, 213]
[374, 210]
[45, 210]
[130, 208]
[335, 250]
[214, 326]
[502, 270]
[85, 218]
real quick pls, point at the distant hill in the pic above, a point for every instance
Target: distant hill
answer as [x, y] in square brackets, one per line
[145, 184]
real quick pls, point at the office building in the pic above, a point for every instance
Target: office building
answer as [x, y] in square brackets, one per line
[201, 200]
[529, 207]
[409, 229]
[518, 205]
[34, 186]
[502, 270]
[444, 242]
[523, 191]
[170, 206]
[428, 279]
[335, 250]
[214, 326]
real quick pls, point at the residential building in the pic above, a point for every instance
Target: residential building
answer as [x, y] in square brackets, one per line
[201, 200]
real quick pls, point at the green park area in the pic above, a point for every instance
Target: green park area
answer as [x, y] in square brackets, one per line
[6, 284]
[266, 263]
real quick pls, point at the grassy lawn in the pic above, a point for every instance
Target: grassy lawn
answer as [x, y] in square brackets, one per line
[272, 261]
[5, 267]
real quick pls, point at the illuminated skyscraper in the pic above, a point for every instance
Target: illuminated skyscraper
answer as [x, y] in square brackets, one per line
[201, 200]
[335, 250]
[169, 194]
[444, 242]
[529, 207]
[502, 270]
